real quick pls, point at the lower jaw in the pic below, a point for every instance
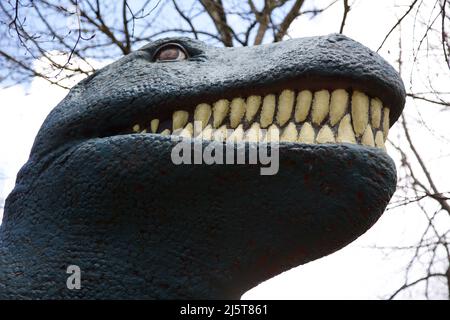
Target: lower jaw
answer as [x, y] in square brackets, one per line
[220, 232]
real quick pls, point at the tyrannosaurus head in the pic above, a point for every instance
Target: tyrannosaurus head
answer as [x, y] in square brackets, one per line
[101, 189]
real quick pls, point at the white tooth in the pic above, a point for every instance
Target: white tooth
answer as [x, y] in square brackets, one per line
[220, 134]
[386, 122]
[273, 134]
[207, 133]
[154, 124]
[187, 131]
[375, 107]
[237, 135]
[179, 118]
[325, 135]
[253, 104]
[285, 106]
[220, 111]
[136, 128]
[307, 133]
[237, 112]
[177, 132]
[254, 133]
[360, 112]
[320, 106]
[367, 138]
[165, 132]
[379, 140]
[144, 131]
[303, 105]
[268, 110]
[290, 133]
[202, 114]
[338, 105]
[345, 131]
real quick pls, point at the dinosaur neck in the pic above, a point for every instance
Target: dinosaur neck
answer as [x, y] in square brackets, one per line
[116, 261]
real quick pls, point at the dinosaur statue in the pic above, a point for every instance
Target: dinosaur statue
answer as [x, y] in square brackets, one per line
[100, 191]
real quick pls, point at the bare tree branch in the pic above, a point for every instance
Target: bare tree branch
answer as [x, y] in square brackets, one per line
[344, 15]
[185, 18]
[416, 96]
[406, 286]
[411, 6]
[217, 14]
[288, 19]
[442, 202]
[444, 34]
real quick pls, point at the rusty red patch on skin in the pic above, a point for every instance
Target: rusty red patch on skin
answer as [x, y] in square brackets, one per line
[360, 196]
[306, 178]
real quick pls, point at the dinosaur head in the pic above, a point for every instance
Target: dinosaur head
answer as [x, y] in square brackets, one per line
[101, 190]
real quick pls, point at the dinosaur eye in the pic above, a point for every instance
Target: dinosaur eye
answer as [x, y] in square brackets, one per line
[170, 52]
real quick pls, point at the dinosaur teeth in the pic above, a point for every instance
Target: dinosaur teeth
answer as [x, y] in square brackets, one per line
[360, 112]
[345, 131]
[202, 114]
[237, 135]
[325, 135]
[188, 131]
[379, 140]
[338, 105]
[273, 134]
[386, 122]
[268, 110]
[220, 134]
[207, 133]
[179, 119]
[304, 116]
[165, 132]
[375, 108]
[303, 105]
[285, 105]
[154, 125]
[367, 138]
[220, 110]
[290, 133]
[237, 107]
[254, 133]
[307, 133]
[253, 104]
[320, 106]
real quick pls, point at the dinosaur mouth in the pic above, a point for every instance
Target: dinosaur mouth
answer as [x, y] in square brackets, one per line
[303, 116]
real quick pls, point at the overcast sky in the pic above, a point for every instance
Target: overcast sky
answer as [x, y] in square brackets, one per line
[357, 271]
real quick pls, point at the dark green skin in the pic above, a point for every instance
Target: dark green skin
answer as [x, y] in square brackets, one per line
[139, 226]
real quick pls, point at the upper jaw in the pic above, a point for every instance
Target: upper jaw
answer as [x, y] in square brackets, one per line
[134, 88]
